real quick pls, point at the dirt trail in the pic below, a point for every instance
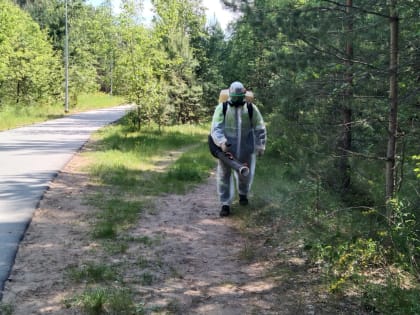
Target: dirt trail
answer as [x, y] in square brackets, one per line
[203, 253]
[195, 264]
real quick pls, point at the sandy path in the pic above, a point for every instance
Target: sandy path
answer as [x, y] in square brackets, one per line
[203, 254]
[195, 264]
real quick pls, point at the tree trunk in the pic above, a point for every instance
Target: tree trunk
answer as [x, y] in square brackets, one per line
[138, 116]
[18, 92]
[393, 106]
[346, 112]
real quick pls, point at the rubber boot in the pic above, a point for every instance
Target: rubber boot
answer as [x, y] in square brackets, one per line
[243, 200]
[225, 211]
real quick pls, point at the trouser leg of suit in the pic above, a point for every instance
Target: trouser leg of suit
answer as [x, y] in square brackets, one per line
[243, 184]
[225, 187]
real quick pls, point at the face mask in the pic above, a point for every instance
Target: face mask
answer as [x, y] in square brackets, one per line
[237, 100]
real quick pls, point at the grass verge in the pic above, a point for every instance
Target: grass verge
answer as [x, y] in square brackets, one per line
[17, 116]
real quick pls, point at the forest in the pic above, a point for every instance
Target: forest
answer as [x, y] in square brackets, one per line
[337, 81]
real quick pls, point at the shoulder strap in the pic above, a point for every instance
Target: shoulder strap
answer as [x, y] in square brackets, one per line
[249, 106]
[250, 110]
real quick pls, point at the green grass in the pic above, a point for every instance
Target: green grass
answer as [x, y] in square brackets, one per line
[12, 117]
[101, 300]
[141, 164]
[190, 168]
[128, 160]
[17, 116]
[391, 299]
[115, 213]
[93, 273]
[96, 101]
[6, 309]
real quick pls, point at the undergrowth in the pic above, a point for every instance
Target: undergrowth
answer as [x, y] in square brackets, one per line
[360, 254]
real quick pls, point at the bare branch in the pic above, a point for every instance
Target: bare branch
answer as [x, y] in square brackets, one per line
[365, 156]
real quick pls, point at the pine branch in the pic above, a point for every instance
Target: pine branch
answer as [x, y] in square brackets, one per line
[302, 37]
[359, 9]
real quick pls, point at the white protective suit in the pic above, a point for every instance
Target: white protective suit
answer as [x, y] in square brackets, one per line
[245, 139]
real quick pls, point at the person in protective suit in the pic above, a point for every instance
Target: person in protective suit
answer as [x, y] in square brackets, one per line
[234, 131]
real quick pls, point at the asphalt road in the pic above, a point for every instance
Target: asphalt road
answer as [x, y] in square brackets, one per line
[30, 157]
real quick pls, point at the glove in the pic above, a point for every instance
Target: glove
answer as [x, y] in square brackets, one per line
[260, 152]
[224, 146]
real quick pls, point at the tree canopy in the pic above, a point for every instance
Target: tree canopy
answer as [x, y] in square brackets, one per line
[29, 67]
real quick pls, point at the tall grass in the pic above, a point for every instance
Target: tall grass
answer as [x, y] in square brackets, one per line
[17, 116]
